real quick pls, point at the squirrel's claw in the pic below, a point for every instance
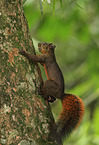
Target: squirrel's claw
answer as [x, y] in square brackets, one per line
[22, 52]
[51, 99]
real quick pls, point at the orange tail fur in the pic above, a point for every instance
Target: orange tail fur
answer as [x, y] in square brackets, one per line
[71, 115]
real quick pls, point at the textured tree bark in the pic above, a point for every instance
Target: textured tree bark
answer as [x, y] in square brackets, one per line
[25, 117]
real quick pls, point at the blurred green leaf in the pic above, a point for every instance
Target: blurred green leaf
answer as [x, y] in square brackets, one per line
[96, 121]
[54, 7]
[61, 4]
[41, 7]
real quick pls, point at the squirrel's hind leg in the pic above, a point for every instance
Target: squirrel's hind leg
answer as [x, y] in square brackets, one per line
[50, 90]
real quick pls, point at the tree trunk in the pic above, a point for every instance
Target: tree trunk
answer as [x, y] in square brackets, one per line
[26, 119]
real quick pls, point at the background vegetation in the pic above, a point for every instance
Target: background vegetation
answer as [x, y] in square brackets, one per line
[73, 26]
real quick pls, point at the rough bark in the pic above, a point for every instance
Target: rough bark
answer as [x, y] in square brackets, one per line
[25, 117]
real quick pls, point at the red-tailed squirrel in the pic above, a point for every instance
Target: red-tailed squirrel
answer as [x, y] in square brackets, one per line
[73, 106]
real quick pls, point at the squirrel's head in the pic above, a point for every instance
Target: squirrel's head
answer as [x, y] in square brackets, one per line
[45, 47]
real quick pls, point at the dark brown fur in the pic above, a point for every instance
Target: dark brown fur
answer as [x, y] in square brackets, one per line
[53, 87]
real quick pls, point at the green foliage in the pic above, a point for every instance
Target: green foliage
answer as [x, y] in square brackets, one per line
[76, 35]
[53, 3]
[41, 7]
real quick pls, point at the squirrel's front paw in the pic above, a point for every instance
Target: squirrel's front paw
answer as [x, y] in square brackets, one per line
[22, 52]
[51, 99]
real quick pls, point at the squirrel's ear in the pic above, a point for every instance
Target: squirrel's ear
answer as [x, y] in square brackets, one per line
[54, 46]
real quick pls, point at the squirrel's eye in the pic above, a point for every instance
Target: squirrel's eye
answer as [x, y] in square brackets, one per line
[43, 43]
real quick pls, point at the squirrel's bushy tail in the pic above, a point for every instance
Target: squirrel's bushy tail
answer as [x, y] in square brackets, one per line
[71, 115]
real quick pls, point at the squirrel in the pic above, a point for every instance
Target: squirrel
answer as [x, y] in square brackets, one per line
[73, 107]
